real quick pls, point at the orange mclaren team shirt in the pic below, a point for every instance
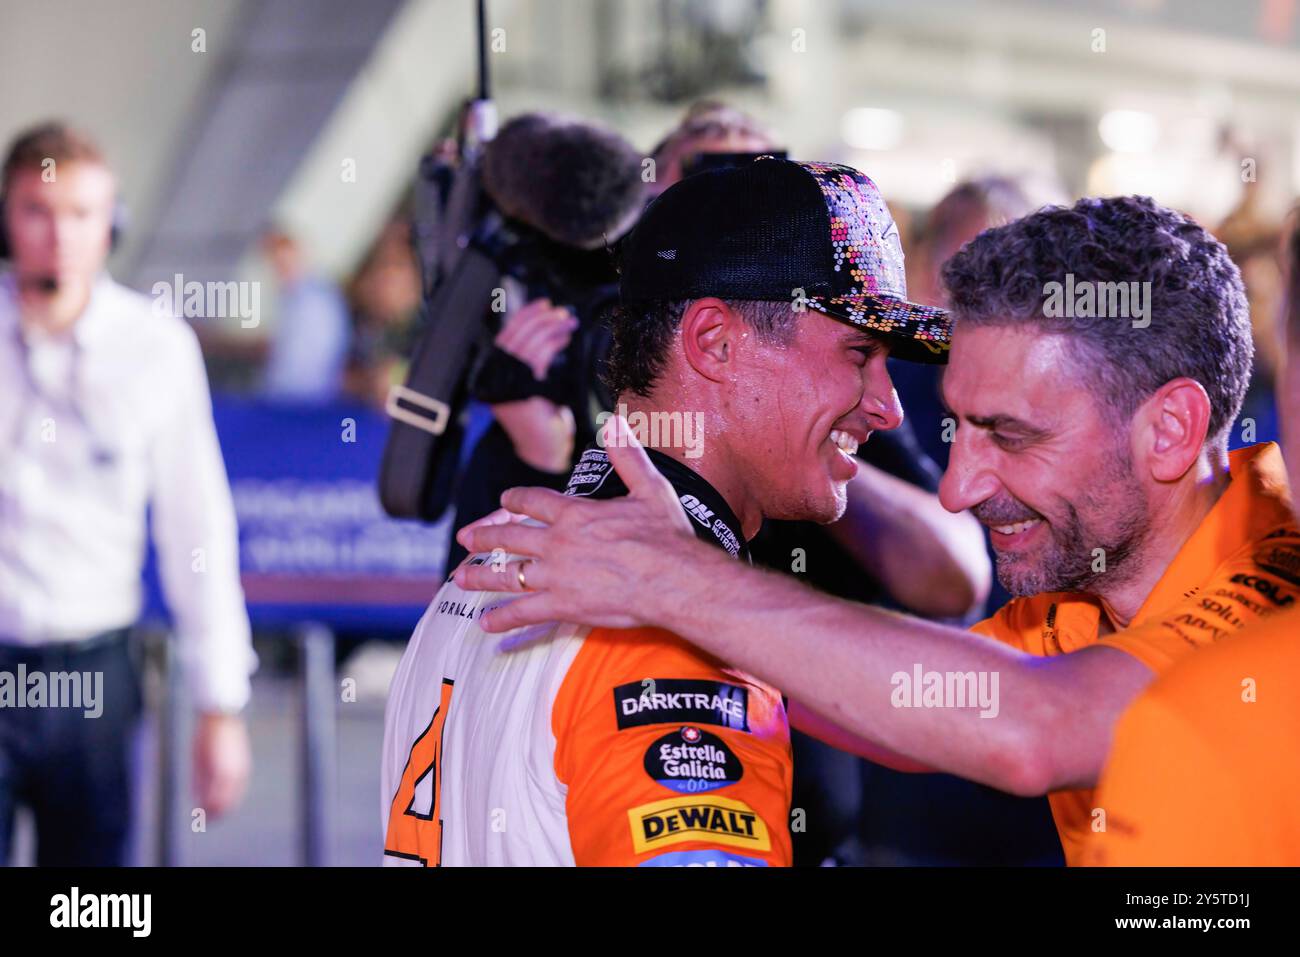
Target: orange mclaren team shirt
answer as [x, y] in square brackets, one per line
[1205, 769]
[1240, 566]
[562, 745]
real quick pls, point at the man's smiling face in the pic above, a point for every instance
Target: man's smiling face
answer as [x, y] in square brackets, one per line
[797, 412]
[1040, 462]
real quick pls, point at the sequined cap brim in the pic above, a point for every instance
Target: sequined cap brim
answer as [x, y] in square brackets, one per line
[916, 333]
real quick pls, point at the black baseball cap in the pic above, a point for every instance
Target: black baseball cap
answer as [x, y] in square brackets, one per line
[780, 230]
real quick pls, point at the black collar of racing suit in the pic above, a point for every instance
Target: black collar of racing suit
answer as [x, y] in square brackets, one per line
[711, 516]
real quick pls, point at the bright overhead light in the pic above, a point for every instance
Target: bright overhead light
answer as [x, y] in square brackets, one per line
[1129, 131]
[872, 128]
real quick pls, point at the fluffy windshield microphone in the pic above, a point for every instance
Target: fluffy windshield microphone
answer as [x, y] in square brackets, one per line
[577, 183]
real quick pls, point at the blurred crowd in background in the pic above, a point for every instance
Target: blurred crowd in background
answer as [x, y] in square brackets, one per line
[331, 337]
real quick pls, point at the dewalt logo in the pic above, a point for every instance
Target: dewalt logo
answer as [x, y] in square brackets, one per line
[717, 820]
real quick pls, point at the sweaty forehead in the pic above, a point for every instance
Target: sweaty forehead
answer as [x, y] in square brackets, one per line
[813, 327]
[1014, 371]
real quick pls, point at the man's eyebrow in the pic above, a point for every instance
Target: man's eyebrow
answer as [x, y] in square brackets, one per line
[858, 337]
[1002, 421]
[999, 420]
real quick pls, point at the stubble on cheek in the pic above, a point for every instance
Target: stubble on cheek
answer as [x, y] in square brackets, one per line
[1020, 573]
[841, 504]
[1065, 560]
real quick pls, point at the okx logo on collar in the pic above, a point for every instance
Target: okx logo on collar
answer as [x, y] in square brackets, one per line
[681, 701]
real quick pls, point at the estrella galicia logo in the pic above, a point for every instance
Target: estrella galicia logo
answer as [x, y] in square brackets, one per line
[681, 701]
[692, 761]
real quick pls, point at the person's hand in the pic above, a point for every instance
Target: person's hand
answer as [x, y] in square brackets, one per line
[536, 333]
[541, 432]
[502, 516]
[596, 562]
[222, 762]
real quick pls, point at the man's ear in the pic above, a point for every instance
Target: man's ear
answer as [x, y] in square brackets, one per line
[710, 330]
[1172, 426]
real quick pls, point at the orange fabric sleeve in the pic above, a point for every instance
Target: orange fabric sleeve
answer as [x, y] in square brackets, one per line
[670, 759]
[1198, 774]
[1160, 773]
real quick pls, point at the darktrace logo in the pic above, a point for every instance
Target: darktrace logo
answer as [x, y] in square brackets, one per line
[681, 701]
[692, 761]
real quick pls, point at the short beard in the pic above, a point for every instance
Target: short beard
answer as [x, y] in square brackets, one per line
[1119, 525]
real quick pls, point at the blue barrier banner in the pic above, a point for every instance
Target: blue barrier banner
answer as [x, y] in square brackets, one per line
[314, 542]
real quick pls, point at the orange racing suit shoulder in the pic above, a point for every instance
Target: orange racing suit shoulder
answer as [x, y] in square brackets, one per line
[670, 758]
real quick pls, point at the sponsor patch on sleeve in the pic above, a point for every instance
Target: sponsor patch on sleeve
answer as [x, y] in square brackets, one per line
[692, 761]
[707, 858]
[681, 701]
[716, 819]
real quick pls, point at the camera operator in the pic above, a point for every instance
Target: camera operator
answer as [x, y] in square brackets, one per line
[568, 190]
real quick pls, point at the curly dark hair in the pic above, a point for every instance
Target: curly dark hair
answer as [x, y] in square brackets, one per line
[642, 335]
[1198, 324]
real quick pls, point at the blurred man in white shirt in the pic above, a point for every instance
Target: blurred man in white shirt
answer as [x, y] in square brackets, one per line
[104, 414]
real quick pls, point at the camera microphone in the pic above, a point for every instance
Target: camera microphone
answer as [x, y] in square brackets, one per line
[576, 183]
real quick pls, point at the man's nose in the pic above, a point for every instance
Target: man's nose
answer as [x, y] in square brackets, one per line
[968, 480]
[60, 233]
[881, 404]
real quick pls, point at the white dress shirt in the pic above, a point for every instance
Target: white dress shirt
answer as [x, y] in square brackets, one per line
[98, 427]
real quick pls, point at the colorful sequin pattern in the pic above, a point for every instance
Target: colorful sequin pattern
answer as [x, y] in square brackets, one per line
[868, 255]
[866, 241]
